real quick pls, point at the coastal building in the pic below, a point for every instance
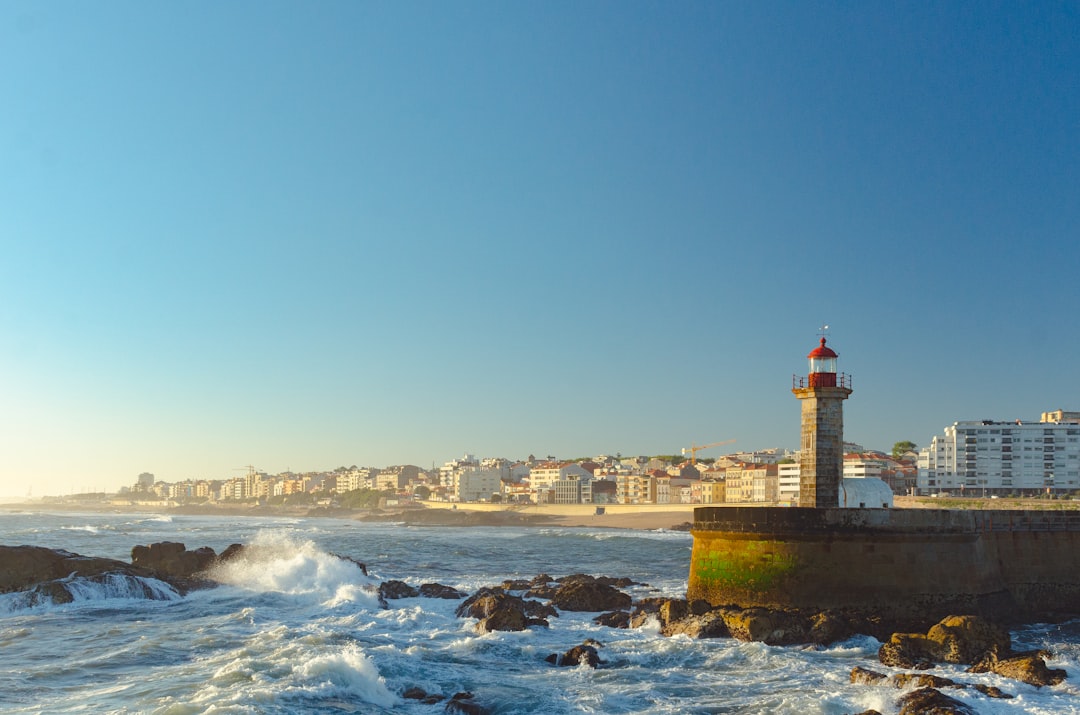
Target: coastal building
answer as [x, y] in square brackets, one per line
[572, 489]
[396, 477]
[545, 474]
[711, 491]
[751, 483]
[479, 483]
[1002, 458]
[787, 483]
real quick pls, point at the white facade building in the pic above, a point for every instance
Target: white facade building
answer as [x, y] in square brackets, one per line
[1001, 458]
[479, 484]
[788, 483]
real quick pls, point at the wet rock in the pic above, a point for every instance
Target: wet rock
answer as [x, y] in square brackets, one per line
[589, 595]
[864, 676]
[536, 609]
[869, 712]
[497, 610]
[171, 561]
[829, 627]
[1028, 667]
[921, 680]
[423, 696]
[671, 611]
[766, 626]
[707, 625]
[650, 605]
[231, 552]
[928, 701]
[909, 650]
[361, 565]
[396, 589]
[991, 691]
[967, 639]
[544, 590]
[25, 567]
[613, 619]
[515, 585]
[463, 703]
[437, 590]
[585, 653]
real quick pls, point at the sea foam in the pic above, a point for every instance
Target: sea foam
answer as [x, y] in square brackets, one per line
[274, 562]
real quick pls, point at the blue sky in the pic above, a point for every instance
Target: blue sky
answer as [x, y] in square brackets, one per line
[301, 235]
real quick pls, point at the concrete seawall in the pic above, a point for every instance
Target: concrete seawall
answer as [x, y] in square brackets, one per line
[902, 564]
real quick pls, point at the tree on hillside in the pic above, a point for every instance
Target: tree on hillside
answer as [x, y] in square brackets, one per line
[900, 448]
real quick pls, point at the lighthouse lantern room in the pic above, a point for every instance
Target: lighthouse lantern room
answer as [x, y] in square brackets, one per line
[822, 366]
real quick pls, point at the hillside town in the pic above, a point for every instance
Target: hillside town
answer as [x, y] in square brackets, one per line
[769, 476]
[984, 458]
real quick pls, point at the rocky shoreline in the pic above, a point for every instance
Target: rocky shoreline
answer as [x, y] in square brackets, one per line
[48, 576]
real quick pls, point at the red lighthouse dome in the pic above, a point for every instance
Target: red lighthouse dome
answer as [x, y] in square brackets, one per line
[822, 366]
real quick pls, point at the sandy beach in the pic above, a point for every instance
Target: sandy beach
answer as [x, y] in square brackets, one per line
[613, 516]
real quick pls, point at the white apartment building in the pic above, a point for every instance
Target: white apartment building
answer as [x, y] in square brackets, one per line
[546, 474]
[788, 483]
[1002, 458]
[479, 483]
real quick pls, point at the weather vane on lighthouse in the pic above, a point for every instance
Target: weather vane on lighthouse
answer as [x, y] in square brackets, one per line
[824, 330]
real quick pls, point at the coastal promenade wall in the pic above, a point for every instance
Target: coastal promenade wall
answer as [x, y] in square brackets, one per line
[897, 563]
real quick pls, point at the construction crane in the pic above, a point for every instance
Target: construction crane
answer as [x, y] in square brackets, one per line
[694, 449]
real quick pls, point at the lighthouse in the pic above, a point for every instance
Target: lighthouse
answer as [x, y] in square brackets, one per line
[821, 457]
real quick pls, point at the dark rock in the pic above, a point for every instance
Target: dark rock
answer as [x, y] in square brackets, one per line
[581, 595]
[671, 611]
[54, 592]
[171, 561]
[396, 589]
[414, 694]
[25, 567]
[437, 590]
[708, 625]
[497, 610]
[463, 703]
[360, 564]
[967, 639]
[863, 676]
[542, 591]
[766, 626]
[515, 585]
[927, 701]
[828, 627]
[613, 619]
[536, 609]
[577, 655]
[1028, 667]
[231, 552]
[651, 604]
[909, 650]
[921, 680]
[869, 712]
[991, 691]
[541, 580]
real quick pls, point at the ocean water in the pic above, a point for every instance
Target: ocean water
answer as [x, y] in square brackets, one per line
[293, 629]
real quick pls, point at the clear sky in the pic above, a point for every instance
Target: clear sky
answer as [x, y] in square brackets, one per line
[305, 235]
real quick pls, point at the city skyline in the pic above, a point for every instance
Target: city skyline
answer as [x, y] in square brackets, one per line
[386, 234]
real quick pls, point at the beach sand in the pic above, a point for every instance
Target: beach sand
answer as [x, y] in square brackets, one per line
[614, 516]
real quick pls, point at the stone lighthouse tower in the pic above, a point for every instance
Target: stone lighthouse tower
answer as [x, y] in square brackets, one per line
[821, 461]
